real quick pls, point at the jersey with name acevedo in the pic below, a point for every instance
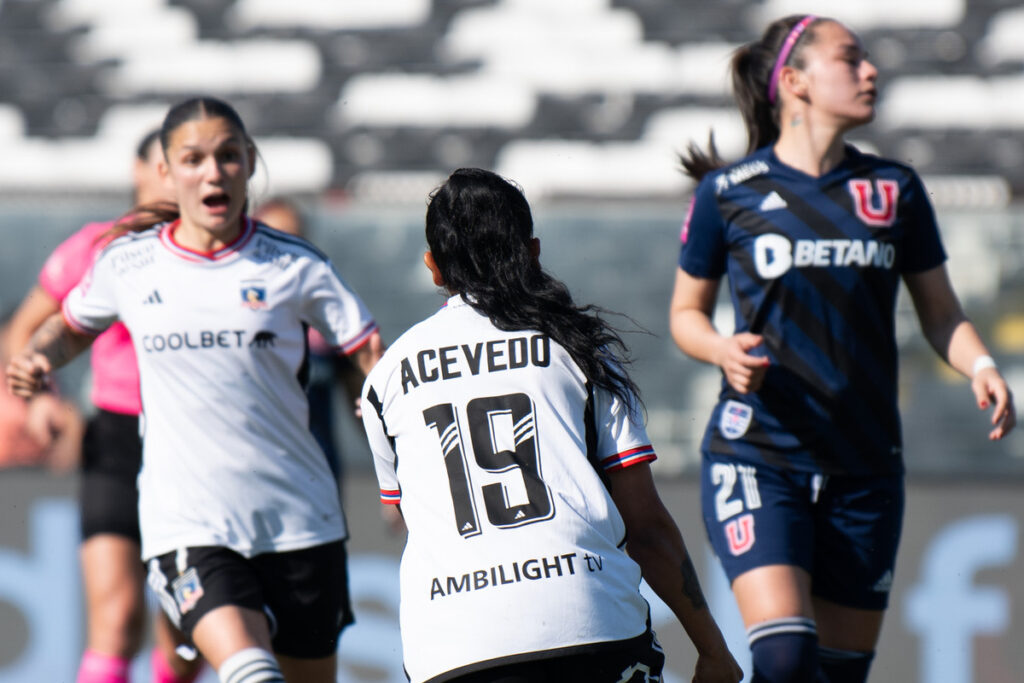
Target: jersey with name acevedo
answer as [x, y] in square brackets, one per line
[496, 449]
[228, 458]
[814, 265]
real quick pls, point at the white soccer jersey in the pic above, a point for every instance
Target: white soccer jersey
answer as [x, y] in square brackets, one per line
[515, 545]
[228, 458]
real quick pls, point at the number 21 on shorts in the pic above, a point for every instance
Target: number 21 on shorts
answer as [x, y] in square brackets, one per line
[739, 530]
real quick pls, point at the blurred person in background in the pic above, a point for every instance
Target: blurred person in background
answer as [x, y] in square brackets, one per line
[112, 571]
[46, 430]
[803, 474]
[509, 432]
[241, 522]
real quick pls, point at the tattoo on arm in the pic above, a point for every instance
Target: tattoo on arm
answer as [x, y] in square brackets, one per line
[58, 342]
[691, 586]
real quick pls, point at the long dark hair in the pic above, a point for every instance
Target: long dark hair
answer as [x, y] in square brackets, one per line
[147, 215]
[751, 68]
[479, 229]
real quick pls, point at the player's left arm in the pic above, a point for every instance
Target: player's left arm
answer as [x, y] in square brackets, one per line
[364, 358]
[954, 337]
[654, 541]
[367, 355]
[341, 316]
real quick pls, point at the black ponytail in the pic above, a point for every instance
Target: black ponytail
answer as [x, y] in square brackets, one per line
[751, 68]
[479, 229]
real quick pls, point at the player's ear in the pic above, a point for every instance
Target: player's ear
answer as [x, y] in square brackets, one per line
[431, 264]
[251, 149]
[794, 81]
[535, 249]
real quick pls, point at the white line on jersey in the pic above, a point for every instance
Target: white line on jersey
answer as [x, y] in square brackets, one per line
[772, 201]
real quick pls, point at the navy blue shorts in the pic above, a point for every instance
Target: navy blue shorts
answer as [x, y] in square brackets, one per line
[843, 530]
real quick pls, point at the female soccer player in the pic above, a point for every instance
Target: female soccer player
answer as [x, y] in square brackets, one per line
[240, 518]
[509, 433]
[802, 469]
[113, 575]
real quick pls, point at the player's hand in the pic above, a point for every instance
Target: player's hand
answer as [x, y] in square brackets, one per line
[717, 668]
[990, 388]
[42, 418]
[744, 372]
[28, 374]
[392, 516]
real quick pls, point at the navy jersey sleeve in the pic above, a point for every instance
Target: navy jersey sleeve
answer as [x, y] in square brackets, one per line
[703, 251]
[923, 248]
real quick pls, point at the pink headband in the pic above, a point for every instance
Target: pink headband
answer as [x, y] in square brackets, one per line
[787, 47]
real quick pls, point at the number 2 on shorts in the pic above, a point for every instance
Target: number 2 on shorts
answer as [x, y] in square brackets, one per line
[739, 531]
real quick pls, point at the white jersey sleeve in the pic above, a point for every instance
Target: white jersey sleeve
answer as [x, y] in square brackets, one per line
[91, 306]
[622, 440]
[334, 309]
[384, 458]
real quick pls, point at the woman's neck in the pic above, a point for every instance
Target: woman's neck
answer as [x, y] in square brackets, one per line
[204, 240]
[812, 148]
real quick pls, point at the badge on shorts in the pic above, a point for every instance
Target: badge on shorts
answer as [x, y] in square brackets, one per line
[735, 419]
[187, 590]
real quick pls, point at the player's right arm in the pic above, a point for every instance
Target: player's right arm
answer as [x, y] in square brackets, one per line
[63, 268]
[35, 308]
[654, 542]
[384, 457]
[88, 309]
[693, 302]
[54, 344]
[703, 258]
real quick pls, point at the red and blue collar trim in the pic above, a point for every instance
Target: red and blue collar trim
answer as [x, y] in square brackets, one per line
[167, 239]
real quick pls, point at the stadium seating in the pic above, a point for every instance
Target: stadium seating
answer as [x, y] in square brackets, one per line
[576, 97]
[586, 101]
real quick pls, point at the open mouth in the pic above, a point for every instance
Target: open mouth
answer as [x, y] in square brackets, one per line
[216, 200]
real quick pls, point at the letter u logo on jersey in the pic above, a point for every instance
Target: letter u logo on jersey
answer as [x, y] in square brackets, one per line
[877, 209]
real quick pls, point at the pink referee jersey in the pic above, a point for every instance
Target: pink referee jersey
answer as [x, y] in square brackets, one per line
[115, 371]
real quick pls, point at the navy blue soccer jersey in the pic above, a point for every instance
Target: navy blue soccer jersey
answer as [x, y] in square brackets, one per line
[814, 265]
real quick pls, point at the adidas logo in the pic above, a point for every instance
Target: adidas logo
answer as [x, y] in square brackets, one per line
[772, 201]
[884, 584]
[153, 298]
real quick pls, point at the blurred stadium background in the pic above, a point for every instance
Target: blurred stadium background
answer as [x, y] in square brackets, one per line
[361, 107]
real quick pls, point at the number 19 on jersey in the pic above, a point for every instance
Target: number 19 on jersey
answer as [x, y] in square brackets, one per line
[504, 445]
